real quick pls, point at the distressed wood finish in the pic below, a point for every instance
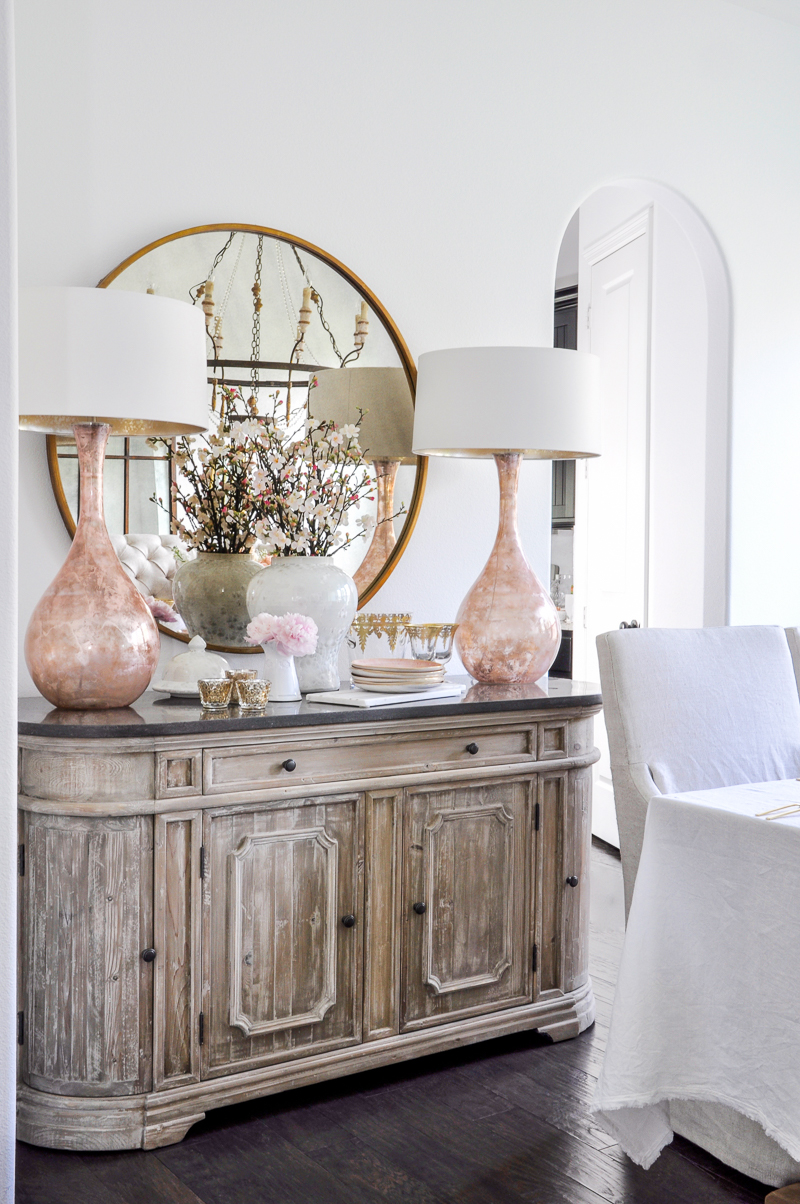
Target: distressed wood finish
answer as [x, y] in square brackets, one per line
[382, 913]
[284, 973]
[238, 874]
[466, 861]
[577, 860]
[88, 1003]
[549, 895]
[179, 774]
[176, 1054]
[50, 773]
[254, 767]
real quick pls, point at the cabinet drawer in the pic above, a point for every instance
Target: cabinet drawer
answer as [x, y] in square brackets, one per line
[260, 766]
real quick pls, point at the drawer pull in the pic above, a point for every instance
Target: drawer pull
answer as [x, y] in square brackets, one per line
[289, 765]
[148, 955]
[572, 880]
[472, 748]
[349, 921]
[420, 909]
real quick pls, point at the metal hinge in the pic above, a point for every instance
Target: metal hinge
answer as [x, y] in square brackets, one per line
[201, 1029]
[536, 816]
[588, 317]
[202, 861]
[21, 860]
[535, 958]
[20, 1028]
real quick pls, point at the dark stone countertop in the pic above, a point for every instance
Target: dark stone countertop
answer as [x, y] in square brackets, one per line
[152, 716]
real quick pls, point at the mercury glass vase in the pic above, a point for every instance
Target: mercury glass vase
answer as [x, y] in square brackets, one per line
[508, 626]
[92, 643]
[211, 595]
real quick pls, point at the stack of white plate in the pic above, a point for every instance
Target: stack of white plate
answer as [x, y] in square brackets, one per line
[392, 675]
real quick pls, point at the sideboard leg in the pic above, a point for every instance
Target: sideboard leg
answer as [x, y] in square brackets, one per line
[163, 1132]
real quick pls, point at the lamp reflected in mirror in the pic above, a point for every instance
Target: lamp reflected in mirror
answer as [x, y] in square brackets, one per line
[279, 315]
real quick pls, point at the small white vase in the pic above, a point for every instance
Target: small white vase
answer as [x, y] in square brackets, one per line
[280, 672]
[314, 586]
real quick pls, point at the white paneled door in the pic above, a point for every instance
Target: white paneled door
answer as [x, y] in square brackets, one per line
[612, 490]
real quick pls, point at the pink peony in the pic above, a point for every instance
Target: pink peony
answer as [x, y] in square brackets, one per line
[261, 629]
[293, 635]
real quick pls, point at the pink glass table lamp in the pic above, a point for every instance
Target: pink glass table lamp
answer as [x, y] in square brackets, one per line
[100, 362]
[510, 403]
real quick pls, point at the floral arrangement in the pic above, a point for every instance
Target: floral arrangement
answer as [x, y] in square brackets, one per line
[256, 477]
[293, 635]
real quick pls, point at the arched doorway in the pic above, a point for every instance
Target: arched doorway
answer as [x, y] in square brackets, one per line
[650, 537]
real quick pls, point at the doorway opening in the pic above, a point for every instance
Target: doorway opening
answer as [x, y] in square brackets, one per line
[641, 538]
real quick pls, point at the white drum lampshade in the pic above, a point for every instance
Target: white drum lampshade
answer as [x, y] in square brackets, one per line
[97, 362]
[132, 361]
[511, 403]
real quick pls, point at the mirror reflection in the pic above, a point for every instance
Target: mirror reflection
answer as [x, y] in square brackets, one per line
[296, 342]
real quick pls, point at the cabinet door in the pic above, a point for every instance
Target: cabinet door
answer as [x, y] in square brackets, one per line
[86, 918]
[284, 975]
[466, 901]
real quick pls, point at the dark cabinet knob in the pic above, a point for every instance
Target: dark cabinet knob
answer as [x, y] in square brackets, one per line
[472, 748]
[420, 909]
[572, 880]
[148, 955]
[289, 765]
[349, 921]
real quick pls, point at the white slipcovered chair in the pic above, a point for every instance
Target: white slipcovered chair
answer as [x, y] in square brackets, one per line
[694, 710]
[150, 561]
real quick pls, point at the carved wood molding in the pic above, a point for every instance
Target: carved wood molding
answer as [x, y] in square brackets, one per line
[499, 815]
[327, 997]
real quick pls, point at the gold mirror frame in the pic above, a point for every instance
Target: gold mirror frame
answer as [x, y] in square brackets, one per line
[400, 346]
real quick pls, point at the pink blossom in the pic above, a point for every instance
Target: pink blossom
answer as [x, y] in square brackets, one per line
[293, 635]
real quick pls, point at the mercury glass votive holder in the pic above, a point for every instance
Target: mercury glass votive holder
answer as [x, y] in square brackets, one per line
[431, 641]
[241, 674]
[215, 693]
[252, 693]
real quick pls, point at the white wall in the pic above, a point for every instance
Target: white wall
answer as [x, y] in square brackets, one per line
[424, 153]
[8, 605]
[568, 253]
[423, 150]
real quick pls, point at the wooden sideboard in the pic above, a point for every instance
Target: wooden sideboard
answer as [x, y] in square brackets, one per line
[218, 908]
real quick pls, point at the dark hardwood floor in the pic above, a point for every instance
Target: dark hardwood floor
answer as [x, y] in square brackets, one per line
[496, 1123]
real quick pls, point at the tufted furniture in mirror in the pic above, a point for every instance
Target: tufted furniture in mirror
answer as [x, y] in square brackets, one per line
[150, 561]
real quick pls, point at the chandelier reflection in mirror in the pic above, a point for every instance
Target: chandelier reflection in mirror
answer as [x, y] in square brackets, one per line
[296, 343]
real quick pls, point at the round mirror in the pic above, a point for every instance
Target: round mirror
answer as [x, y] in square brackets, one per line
[290, 331]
